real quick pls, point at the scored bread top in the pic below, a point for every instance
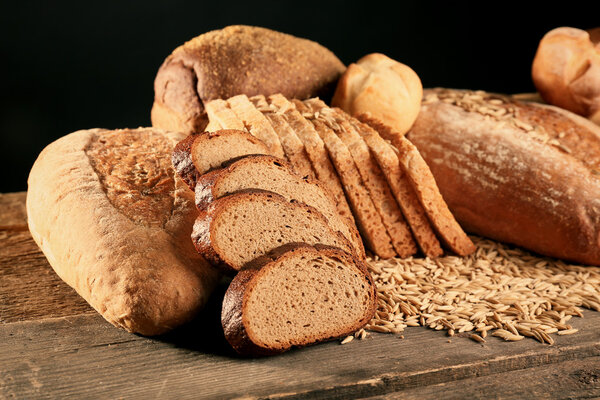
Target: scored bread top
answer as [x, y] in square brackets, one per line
[238, 60]
[275, 175]
[240, 227]
[94, 199]
[308, 294]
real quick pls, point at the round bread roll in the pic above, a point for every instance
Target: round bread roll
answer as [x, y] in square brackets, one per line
[237, 60]
[389, 91]
[566, 70]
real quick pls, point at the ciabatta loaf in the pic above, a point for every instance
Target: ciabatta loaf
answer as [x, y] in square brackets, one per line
[303, 296]
[113, 220]
[274, 175]
[521, 173]
[243, 226]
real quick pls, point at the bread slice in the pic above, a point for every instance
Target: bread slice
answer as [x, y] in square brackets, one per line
[315, 149]
[200, 153]
[368, 220]
[292, 145]
[303, 296]
[275, 175]
[256, 123]
[220, 114]
[372, 176]
[412, 209]
[240, 227]
[427, 191]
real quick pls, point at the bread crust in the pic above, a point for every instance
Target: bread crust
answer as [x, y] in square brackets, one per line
[236, 60]
[232, 316]
[203, 232]
[119, 236]
[516, 179]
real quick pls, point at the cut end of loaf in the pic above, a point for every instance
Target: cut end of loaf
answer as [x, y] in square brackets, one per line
[307, 295]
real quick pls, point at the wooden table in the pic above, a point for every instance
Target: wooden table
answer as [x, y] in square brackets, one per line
[53, 345]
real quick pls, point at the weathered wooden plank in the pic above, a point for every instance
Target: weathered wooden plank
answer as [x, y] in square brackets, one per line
[29, 288]
[12, 211]
[85, 357]
[577, 379]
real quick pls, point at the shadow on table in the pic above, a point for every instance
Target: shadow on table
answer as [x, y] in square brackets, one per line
[204, 333]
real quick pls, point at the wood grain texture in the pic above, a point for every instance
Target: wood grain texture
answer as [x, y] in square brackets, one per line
[53, 345]
[13, 215]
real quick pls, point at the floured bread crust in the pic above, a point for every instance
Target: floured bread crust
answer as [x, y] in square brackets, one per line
[520, 173]
[114, 222]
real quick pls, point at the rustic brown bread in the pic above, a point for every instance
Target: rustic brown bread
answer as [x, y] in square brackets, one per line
[372, 176]
[521, 173]
[368, 220]
[400, 185]
[200, 153]
[256, 123]
[315, 149]
[292, 145]
[303, 296]
[243, 226]
[109, 213]
[274, 175]
[238, 60]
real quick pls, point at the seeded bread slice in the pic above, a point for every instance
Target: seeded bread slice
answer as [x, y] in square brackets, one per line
[412, 209]
[202, 152]
[220, 114]
[426, 188]
[291, 143]
[275, 175]
[303, 296]
[240, 227]
[379, 190]
[315, 149]
[368, 220]
[256, 123]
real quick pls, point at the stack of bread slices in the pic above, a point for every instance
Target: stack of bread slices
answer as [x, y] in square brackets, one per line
[298, 264]
[378, 179]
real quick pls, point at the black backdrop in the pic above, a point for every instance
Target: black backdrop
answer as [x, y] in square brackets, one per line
[69, 65]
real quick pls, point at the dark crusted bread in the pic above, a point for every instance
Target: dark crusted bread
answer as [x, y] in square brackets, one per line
[516, 172]
[238, 228]
[238, 60]
[275, 175]
[302, 296]
[199, 153]
[113, 219]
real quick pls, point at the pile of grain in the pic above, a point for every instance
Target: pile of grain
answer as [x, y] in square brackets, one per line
[499, 291]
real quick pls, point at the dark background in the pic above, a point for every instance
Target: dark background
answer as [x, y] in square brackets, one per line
[69, 65]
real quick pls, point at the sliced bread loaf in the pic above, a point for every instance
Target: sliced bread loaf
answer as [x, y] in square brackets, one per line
[200, 153]
[302, 296]
[238, 228]
[368, 220]
[372, 176]
[275, 175]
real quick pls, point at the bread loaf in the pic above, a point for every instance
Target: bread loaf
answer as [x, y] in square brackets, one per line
[238, 60]
[566, 70]
[302, 296]
[521, 173]
[114, 222]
